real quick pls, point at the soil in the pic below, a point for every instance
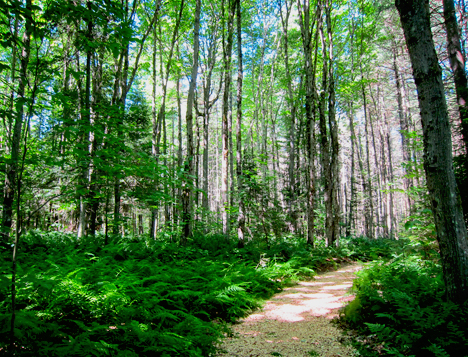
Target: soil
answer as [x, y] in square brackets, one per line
[296, 322]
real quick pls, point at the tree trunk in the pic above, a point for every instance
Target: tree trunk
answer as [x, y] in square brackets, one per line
[189, 168]
[329, 148]
[292, 122]
[446, 204]
[154, 136]
[95, 143]
[179, 139]
[334, 144]
[403, 123]
[14, 169]
[84, 128]
[391, 179]
[306, 35]
[207, 105]
[457, 63]
[227, 48]
[240, 75]
[350, 228]
[368, 176]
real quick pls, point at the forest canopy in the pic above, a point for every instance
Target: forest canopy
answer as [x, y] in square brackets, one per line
[274, 117]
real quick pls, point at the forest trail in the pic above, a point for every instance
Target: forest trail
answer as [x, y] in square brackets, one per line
[297, 321]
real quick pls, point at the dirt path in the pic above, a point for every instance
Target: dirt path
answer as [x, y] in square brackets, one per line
[296, 322]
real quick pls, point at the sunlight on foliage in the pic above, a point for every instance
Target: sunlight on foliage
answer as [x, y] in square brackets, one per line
[400, 307]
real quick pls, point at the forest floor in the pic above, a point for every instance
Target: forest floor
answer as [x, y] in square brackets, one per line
[298, 321]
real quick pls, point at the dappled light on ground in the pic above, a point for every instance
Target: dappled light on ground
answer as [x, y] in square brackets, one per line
[317, 298]
[297, 320]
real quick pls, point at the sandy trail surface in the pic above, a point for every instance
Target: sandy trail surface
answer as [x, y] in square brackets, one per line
[297, 321]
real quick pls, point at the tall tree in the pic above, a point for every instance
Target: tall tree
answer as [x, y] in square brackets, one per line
[159, 119]
[307, 25]
[328, 129]
[227, 59]
[446, 205]
[12, 169]
[457, 63]
[210, 51]
[240, 77]
[292, 115]
[85, 126]
[333, 230]
[187, 192]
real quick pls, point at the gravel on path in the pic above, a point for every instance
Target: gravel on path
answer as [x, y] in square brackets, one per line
[297, 321]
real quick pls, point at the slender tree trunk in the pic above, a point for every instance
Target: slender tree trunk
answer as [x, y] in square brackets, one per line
[367, 176]
[187, 214]
[95, 143]
[197, 164]
[327, 159]
[383, 180]
[306, 35]
[231, 156]
[9, 190]
[154, 136]
[84, 127]
[13, 170]
[206, 123]
[351, 229]
[334, 233]
[391, 179]
[240, 75]
[379, 210]
[446, 203]
[179, 138]
[207, 105]
[14, 54]
[403, 123]
[457, 63]
[167, 208]
[351, 226]
[292, 123]
[227, 48]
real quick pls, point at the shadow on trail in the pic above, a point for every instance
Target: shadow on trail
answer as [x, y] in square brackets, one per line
[296, 322]
[320, 297]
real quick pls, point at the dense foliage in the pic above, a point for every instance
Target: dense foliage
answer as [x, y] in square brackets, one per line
[400, 308]
[157, 133]
[141, 297]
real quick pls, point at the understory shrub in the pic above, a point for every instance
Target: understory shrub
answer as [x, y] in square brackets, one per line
[143, 297]
[400, 309]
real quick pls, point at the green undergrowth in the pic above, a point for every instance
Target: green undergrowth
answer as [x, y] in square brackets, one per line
[144, 297]
[400, 310]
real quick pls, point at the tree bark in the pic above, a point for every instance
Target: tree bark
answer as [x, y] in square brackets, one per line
[328, 131]
[189, 168]
[240, 76]
[367, 177]
[306, 26]
[177, 220]
[14, 170]
[207, 106]
[334, 233]
[457, 63]
[95, 144]
[10, 187]
[227, 48]
[391, 180]
[292, 122]
[446, 204]
[403, 123]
